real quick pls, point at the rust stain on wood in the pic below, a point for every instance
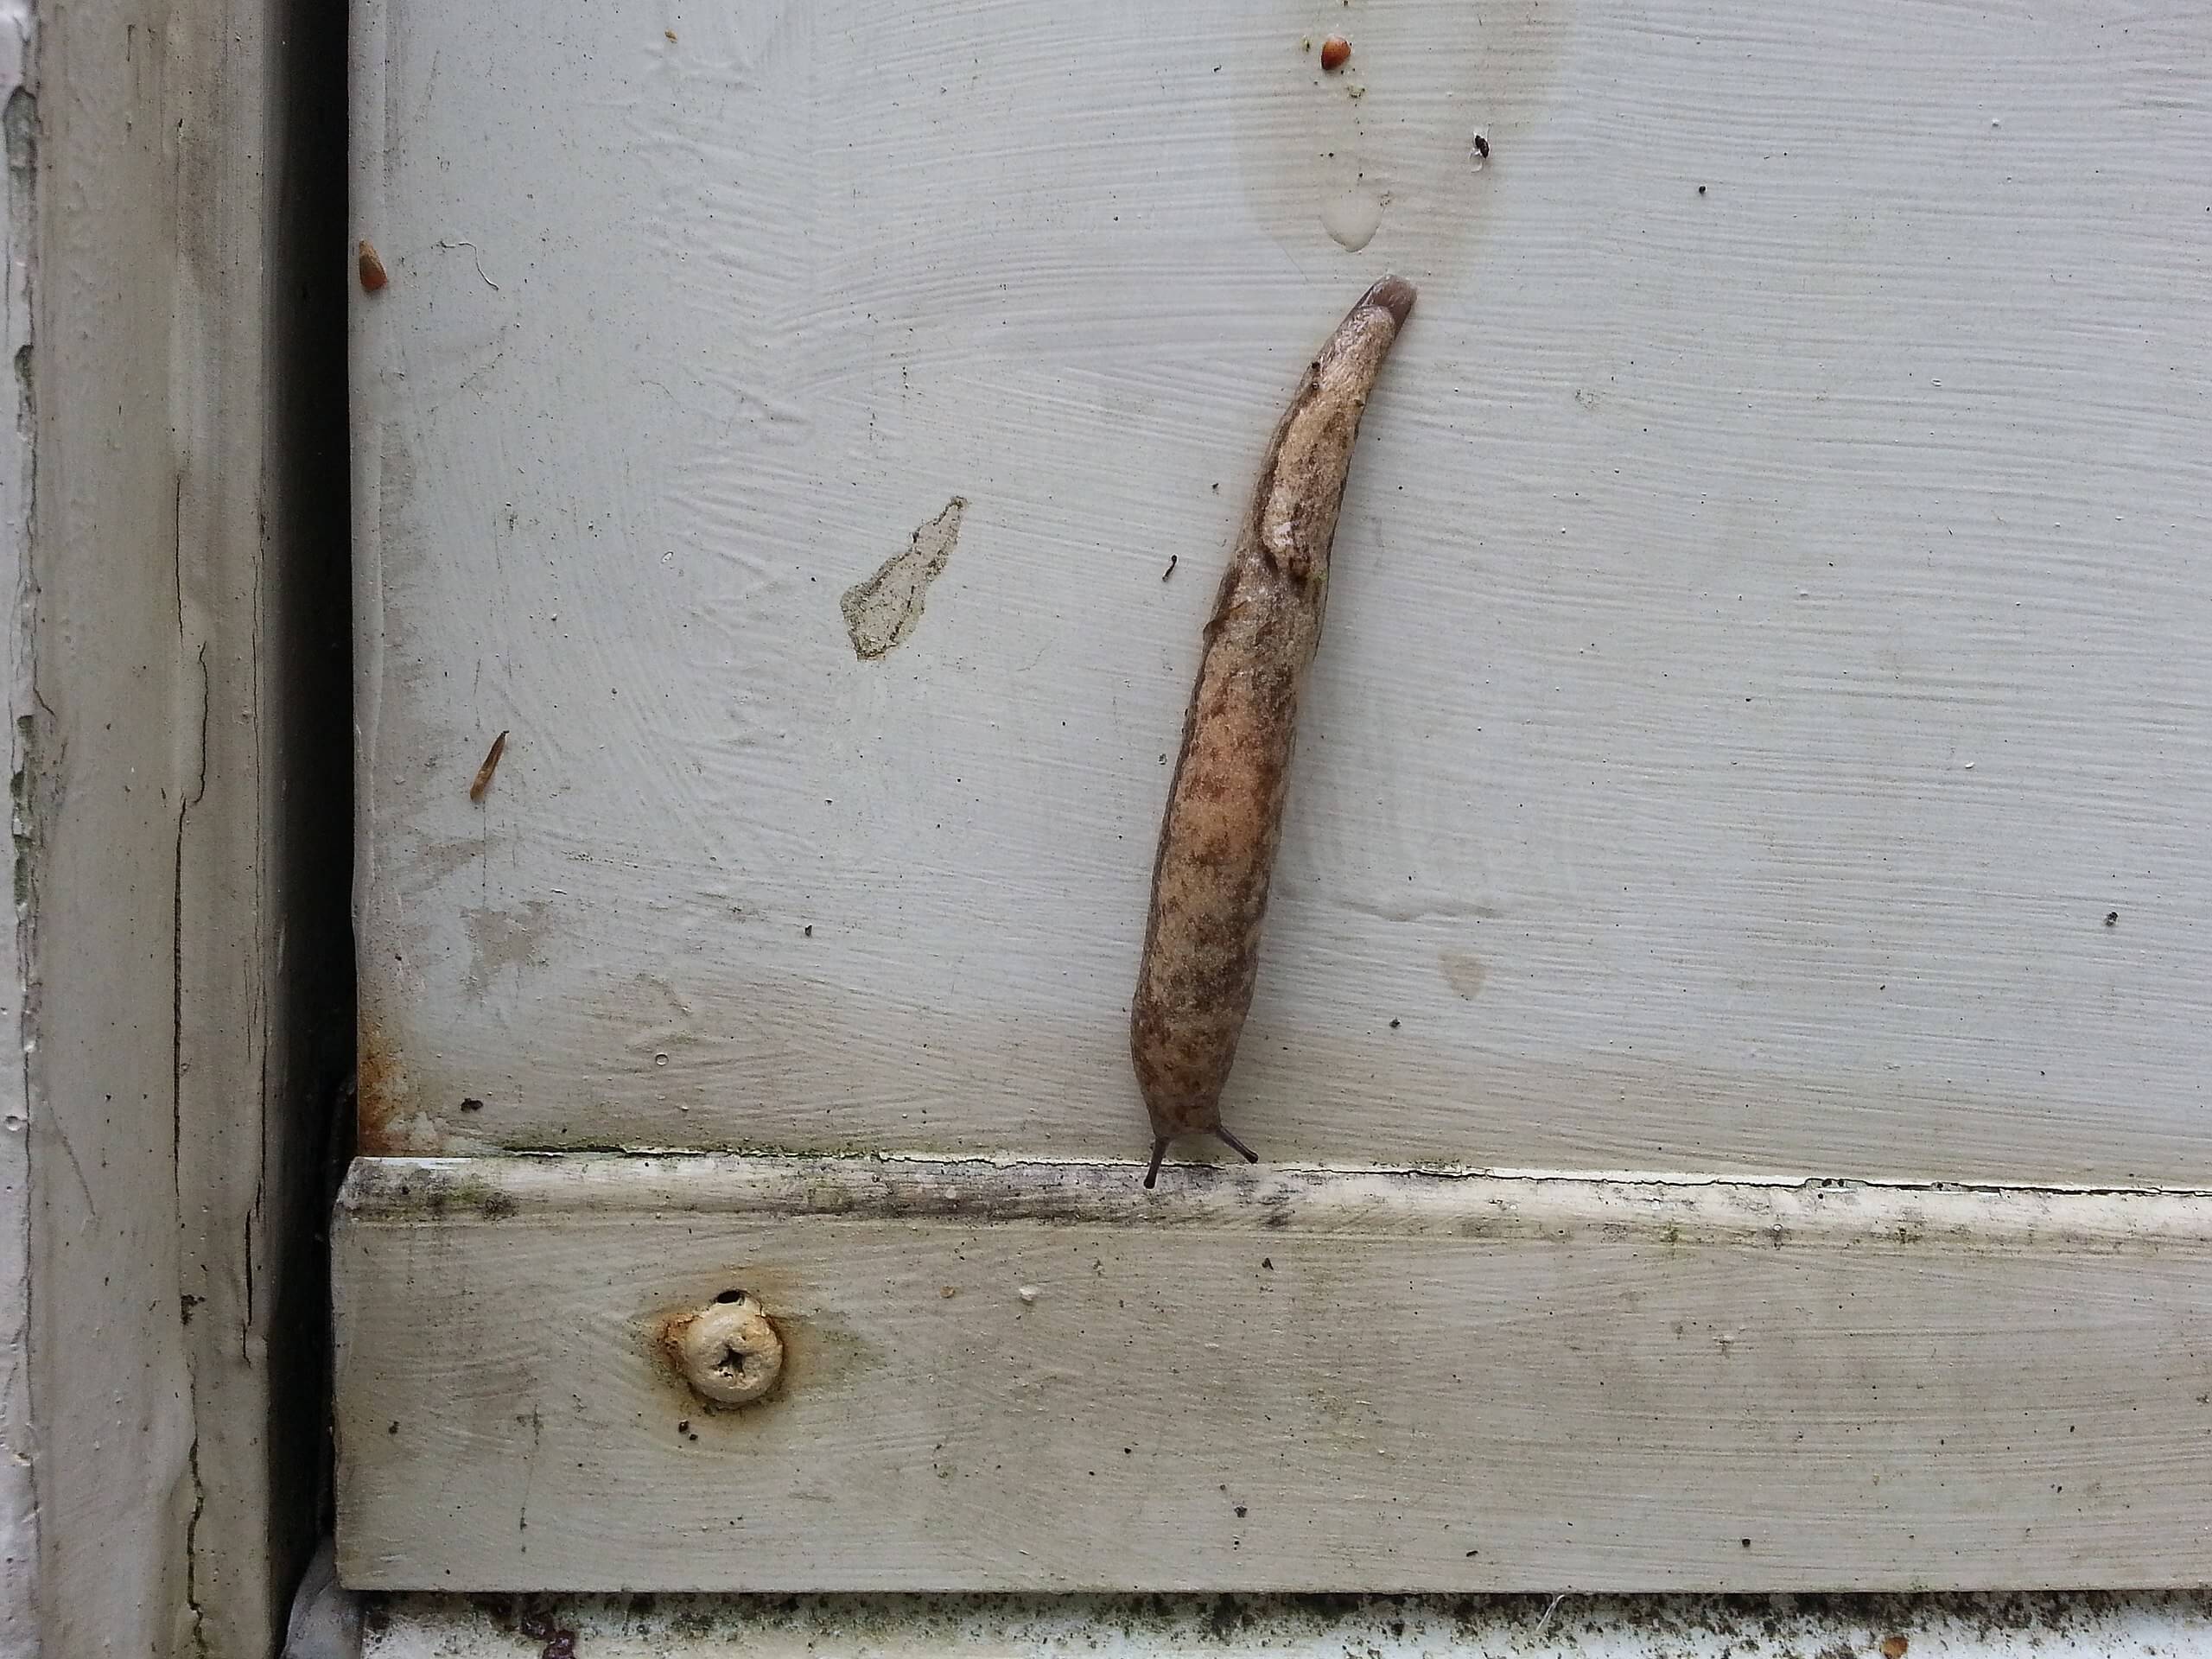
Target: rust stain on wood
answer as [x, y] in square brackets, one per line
[380, 1086]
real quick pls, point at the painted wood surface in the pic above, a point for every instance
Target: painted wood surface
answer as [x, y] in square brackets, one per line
[1038, 1378]
[109, 729]
[159, 492]
[1769, 611]
[19, 1540]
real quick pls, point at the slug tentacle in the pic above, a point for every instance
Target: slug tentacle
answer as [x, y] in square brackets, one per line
[1223, 820]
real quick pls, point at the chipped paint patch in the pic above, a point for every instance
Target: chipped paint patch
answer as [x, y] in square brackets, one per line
[882, 611]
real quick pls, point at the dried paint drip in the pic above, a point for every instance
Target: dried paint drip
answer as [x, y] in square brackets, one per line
[882, 611]
[1218, 835]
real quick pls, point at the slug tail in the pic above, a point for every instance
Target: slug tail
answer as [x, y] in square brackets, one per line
[1220, 1134]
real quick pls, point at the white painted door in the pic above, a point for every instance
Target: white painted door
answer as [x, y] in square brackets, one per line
[1759, 741]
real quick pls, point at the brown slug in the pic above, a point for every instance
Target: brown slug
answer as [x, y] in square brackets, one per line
[1223, 820]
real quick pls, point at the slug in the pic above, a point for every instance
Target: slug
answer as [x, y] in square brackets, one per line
[1218, 835]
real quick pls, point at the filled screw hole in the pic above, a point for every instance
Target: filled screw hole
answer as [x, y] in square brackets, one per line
[728, 1351]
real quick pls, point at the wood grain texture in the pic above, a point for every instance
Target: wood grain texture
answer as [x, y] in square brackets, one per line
[1029, 1376]
[1767, 629]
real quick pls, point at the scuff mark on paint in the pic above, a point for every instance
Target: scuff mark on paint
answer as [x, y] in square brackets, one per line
[882, 611]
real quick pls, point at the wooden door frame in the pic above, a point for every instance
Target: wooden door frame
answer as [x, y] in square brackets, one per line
[177, 675]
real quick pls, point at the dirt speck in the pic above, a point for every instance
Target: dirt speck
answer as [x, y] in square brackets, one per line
[1893, 1647]
[882, 611]
[1336, 52]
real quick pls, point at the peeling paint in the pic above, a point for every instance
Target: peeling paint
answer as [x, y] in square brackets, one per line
[882, 611]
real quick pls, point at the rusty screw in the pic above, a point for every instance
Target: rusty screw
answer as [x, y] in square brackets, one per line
[728, 1351]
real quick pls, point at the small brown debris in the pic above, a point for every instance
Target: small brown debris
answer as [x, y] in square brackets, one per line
[1170, 571]
[1893, 1647]
[484, 772]
[374, 275]
[472, 1104]
[669, 33]
[1336, 52]
[948, 1291]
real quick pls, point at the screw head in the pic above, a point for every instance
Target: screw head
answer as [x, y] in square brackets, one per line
[728, 1351]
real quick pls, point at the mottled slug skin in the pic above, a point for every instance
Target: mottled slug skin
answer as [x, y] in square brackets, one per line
[1224, 808]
